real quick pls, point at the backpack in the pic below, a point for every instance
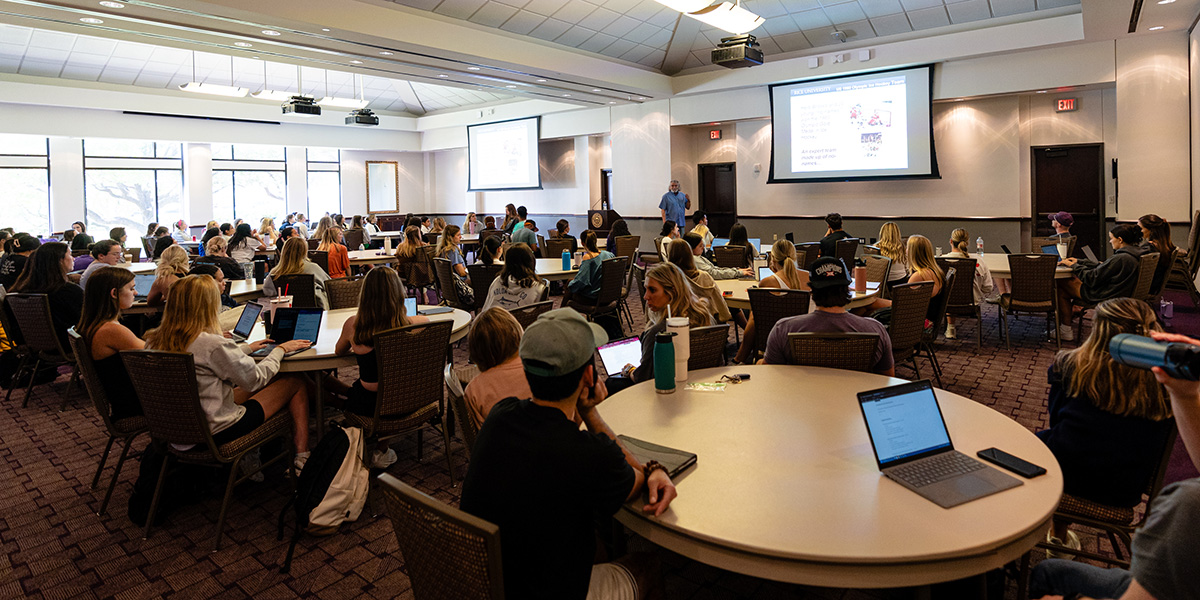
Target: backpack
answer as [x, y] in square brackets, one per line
[332, 488]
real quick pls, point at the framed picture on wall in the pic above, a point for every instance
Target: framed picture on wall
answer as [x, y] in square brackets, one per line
[383, 186]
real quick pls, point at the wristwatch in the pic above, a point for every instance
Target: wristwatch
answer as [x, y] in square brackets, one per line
[652, 466]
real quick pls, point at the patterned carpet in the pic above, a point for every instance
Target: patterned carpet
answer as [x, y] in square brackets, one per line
[54, 546]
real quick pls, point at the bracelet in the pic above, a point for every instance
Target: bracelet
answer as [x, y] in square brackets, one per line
[652, 466]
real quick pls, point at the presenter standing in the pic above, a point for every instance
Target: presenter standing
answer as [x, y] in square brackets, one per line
[675, 204]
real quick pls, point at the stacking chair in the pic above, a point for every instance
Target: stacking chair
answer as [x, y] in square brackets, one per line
[627, 246]
[343, 292]
[1033, 291]
[807, 252]
[730, 256]
[878, 269]
[411, 361]
[608, 300]
[1187, 261]
[482, 276]
[1147, 263]
[321, 258]
[846, 250]
[417, 271]
[1156, 292]
[165, 383]
[135, 254]
[456, 385]
[1039, 242]
[541, 249]
[302, 287]
[529, 313]
[870, 249]
[555, 248]
[938, 316]
[851, 351]
[639, 277]
[353, 239]
[432, 238]
[769, 305]
[706, 346]
[313, 244]
[961, 300]
[125, 428]
[910, 304]
[31, 313]
[445, 279]
[448, 553]
[148, 245]
[12, 341]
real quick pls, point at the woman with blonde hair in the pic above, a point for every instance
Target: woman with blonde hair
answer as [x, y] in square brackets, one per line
[173, 264]
[237, 393]
[681, 253]
[338, 255]
[960, 241]
[493, 342]
[472, 225]
[922, 266]
[786, 275]
[267, 232]
[325, 223]
[216, 253]
[293, 260]
[412, 241]
[667, 290]
[892, 246]
[439, 225]
[510, 218]
[1108, 421]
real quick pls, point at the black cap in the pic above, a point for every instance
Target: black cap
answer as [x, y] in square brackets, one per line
[827, 272]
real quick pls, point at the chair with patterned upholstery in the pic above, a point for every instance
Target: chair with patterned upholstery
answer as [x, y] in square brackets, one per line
[846, 250]
[555, 248]
[627, 246]
[1182, 275]
[961, 300]
[456, 379]
[481, 277]
[354, 238]
[302, 287]
[910, 304]
[446, 285]
[31, 316]
[706, 346]
[937, 316]
[608, 300]
[1033, 291]
[851, 351]
[343, 292]
[321, 258]
[769, 305]
[529, 313]
[806, 253]
[730, 256]
[878, 267]
[1145, 281]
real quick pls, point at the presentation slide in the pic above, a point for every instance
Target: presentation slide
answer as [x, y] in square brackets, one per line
[504, 156]
[861, 127]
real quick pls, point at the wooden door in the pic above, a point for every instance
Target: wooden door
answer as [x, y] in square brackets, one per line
[1071, 178]
[718, 196]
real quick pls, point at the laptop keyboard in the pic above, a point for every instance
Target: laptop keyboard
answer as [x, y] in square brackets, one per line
[935, 468]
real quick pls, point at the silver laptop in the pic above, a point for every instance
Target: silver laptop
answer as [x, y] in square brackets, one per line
[142, 282]
[913, 448]
[615, 355]
[245, 324]
[1087, 251]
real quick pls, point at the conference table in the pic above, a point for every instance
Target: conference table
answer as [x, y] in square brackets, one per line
[786, 485]
[321, 356]
[740, 295]
[359, 258]
[240, 290]
[551, 269]
[997, 263]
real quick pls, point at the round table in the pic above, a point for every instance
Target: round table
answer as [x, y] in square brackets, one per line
[551, 269]
[786, 486]
[370, 257]
[997, 263]
[740, 297]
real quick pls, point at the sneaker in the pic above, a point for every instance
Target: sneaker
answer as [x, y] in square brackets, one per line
[1066, 332]
[992, 300]
[252, 463]
[1072, 542]
[951, 332]
[382, 460]
[300, 460]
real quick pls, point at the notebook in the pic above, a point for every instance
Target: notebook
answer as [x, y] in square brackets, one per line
[676, 461]
[1087, 251]
[245, 325]
[913, 448]
[615, 355]
[142, 282]
[293, 324]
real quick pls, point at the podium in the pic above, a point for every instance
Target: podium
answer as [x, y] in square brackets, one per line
[601, 221]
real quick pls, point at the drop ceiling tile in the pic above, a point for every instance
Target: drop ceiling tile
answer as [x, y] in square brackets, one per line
[640, 33]
[87, 60]
[878, 8]
[574, 11]
[637, 53]
[461, 9]
[493, 14]
[131, 64]
[891, 24]
[523, 22]
[1003, 8]
[691, 61]
[858, 30]
[821, 36]
[514, 3]
[911, 5]
[618, 48]
[665, 18]
[545, 7]
[154, 81]
[654, 60]
[765, 8]
[9, 65]
[174, 55]
[597, 42]
[845, 13]
[659, 38]
[40, 68]
[795, 6]
[133, 50]
[575, 36]
[12, 50]
[928, 18]
[118, 76]
[92, 45]
[780, 25]
[713, 35]
[80, 73]
[1044, 4]
[599, 19]
[811, 19]
[705, 58]
[792, 42]
[645, 10]
[46, 54]
[12, 34]
[52, 40]
[621, 26]
[421, 4]
[971, 10]
[550, 29]
[701, 42]
[619, 6]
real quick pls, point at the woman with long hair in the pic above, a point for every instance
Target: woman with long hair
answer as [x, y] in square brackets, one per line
[45, 272]
[493, 343]
[216, 254]
[111, 290]
[619, 229]
[244, 244]
[891, 245]
[681, 253]
[447, 248]
[380, 308]
[960, 242]
[439, 225]
[162, 241]
[356, 222]
[739, 237]
[237, 394]
[338, 255]
[293, 260]
[517, 284]
[510, 218]
[1156, 232]
[267, 231]
[472, 225]
[666, 288]
[922, 266]
[412, 242]
[489, 251]
[785, 274]
[669, 232]
[1108, 421]
[586, 284]
[172, 265]
[150, 229]
[82, 240]
[325, 223]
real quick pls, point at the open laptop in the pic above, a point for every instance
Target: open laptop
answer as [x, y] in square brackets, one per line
[1050, 249]
[718, 242]
[764, 272]
[142, 282]
[293, 324]
[615, 355]
[1087, 251]
[245, 325]
[789, 236]
[913, 448]
[755, 244]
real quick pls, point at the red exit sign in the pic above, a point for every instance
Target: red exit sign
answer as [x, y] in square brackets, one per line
[714, 134]
[1066, 104]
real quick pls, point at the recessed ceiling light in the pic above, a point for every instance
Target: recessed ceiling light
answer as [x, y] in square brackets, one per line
[243, 44]
[641, 97]
[595, 89]
[91, 20]
[1042, 91]
[472, 68]
[254, 57]
[541, 81]
[1159, 1]
[270, 32]
[108, 4]
[1156, 28]
[612, 101]
[510, 86]
[443, 75]
[566, 95]
[324, 29]
[386, 53]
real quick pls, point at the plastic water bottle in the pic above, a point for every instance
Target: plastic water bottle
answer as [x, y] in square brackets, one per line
[1166, 310]
[566, 258]
[664, 363]
[979, 244]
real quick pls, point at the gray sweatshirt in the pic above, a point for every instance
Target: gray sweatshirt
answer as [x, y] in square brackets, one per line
[222, 364]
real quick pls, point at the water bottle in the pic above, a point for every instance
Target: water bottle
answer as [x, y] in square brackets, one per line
[1181, 361]
[979, 244]
[664, 363]
[1166, 310]
[566, 258]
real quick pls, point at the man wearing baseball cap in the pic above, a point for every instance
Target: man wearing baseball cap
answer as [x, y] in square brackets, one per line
[543, 481]
[1062, 222]
[830, 287]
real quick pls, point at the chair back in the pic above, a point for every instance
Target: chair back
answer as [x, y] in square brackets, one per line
[165, 383]
[1165, 262]
[962, 293]
[851, 351]
[638, 274]
[343, 292]
[878, 268]
[135, 254]
[481, 276]
[1193, 244]
[458, 403]
[302, 287]
[313, 244]
[487, 233]
[555, 248]
[32, 315]
[321, 258]
[417, 270]
[448, 553]
[1145, 279]
[626, 245]
[12, 335]
[353, 238]
[91, 380]
[432, 238]
[806, 253]
[445, 278]
[148, 245]
[80, 252]
[541, 241]
[1032, 281]
[937, 310]
[872, 249]
[612, 279]
[707, 346]
[769, 305]
[529, 313]
[910, 304]
[846, 250]
[410, 363]
[730, 256]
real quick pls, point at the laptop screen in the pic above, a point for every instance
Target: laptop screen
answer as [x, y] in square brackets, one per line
[904, 422]
[755, 244]
[718, 242]
[615, 355]
[764, 272]
[142, 283]
[246, 322]
[410, 306]
[297, 324]
[1087, 251]
[1050, 250]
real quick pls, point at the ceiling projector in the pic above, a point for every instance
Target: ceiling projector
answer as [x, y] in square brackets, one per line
[362, 116]
[737, 52]
[304, 106]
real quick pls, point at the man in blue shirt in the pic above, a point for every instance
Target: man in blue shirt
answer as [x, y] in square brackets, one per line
[674, 204]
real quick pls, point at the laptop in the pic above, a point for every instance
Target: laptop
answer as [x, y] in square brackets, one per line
[1051, 249]
[245, 325]
[1005, 249]
[755, 244]
[293, 324]
[615, 355]
[764, 272]
[789, 236]
[142, 282]
[913, 448]
[1087, 251]
[410, 306]
[718, 242]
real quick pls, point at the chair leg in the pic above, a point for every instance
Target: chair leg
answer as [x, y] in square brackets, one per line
[112, 484]
[978, 328]
[916, 367]
[225, 502]
[449, 458]
[70, 388]
[158, 488]
[933, 363]
[1023, 576]
[32, 377]
[103, 459]
[12, 385]
[1004, 329]
[420, 444]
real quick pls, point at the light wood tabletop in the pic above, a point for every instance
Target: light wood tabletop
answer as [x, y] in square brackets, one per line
[740, 297]
[997, 263]
[551, 269]
[370, 257]
[786, 486]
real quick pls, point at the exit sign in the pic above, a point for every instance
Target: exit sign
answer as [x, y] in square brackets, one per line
[714, 134]
[1066, 105]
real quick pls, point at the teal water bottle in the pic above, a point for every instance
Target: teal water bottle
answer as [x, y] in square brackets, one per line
[566, 256]
[664, 363]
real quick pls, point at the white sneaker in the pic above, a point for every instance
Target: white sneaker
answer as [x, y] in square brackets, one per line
[951, 332]
[299, 461]
[1072, 542]
[252, 462]
[383, 460]
[1066, 332]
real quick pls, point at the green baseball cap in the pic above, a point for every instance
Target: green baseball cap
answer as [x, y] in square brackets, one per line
[560, 342]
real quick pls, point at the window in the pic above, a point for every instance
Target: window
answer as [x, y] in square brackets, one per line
[25, 179]
[249, 183]
[324, 182]
[131, 183]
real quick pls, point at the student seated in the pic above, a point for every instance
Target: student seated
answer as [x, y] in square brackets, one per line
[680, 253]
[46, 273]
[517, 284]
[564, 233]
[172, 265]
[669, 233]
[544, 482]
[739, 237]
[293, 260]
[447, 248]
[489, 251]
[1108, 422]
[105, 253]
[700, 228]
[81, 240]
[493, 342]
[891, 245]
[1093, 283]
[181, 233]
[784, 275]
[162, 241]
[830, 285]
[18, 250]
[619, 229]
[216, 254]
[218, 277]
[586, 284]
[338, 255]
[697, 250]
[118, 235]
[237, 393]
[923, 266]
[982, 285]
[833, 234]
[471, 225]
[111, 290]
[244, 244]
[527, 235]
[1156, 236]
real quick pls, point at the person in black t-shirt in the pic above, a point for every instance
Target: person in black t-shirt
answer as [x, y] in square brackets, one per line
[832, 235]
[14, 260]
[543, 481]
